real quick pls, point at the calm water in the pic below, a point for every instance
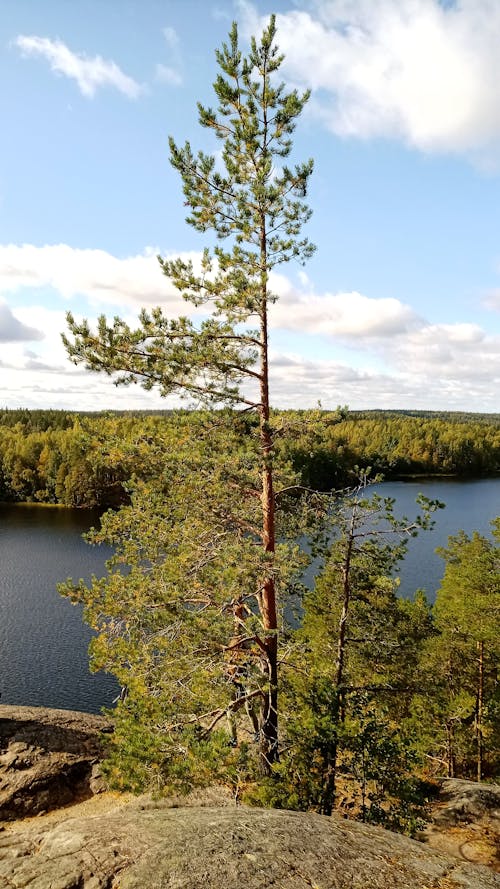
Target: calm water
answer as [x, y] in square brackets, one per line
[43, 642]
[470, 505]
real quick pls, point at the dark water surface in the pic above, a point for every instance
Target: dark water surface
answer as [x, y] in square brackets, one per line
[43, 642]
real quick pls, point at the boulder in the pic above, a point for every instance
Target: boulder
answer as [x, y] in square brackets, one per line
[48, 758]
[461, 802]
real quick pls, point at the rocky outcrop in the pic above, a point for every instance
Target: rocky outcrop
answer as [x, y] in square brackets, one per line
[463, 802]
[48, 758]
[159, 847]
[466, 822]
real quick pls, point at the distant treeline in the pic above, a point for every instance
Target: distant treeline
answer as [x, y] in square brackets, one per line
[86, 459]
[396, 444]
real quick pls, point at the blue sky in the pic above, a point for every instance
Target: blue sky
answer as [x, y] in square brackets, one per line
[399, 307]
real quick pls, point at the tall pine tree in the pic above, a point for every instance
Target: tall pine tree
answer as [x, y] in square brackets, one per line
[253, 202]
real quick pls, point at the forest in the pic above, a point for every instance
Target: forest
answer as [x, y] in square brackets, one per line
[62, 457]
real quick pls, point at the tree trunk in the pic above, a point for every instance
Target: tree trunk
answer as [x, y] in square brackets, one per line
[479, 710]
[363, 785]
[328, 797]
[267, 597]
[346, 597]
[330, 783]
[450, 758]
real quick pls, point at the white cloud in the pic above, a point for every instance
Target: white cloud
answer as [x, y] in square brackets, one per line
[137, 281]
[95, 274]
[455, 352]
[414, 70]
[43, 376]
[350, 316]
[90, 73]
[12, 330]
[296, 382]
[394, 358]
[41, 388]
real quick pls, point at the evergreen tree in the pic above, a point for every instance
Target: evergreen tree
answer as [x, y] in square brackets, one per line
[353, 667]
[460, 709]
[254, 206]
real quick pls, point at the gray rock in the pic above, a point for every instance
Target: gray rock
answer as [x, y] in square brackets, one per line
[49, 758]
[154, 846]
[465, 801]
[466, 822]
[46, 758]
[97, 784]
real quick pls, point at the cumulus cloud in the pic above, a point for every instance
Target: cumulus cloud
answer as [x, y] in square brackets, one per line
[90, 73]
[456, 352]
[421, 71]
[95, 274]
[38, 365]
[136, 281]
[356, 350]
[297, 382]
[350, 316]
[14, 331]
[42, 376]
[43, 387]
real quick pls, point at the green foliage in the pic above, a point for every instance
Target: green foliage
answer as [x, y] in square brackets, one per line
[59, 457]
[396, 445]
[191, 617]
[213, 571]
[352, 674]
[138, 757]
[256, 209]
[458, 714]
[164, 614]
[379, 759]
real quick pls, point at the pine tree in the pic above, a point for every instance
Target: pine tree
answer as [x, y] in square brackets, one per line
[253, 204]
[353, 665]
[460, 708]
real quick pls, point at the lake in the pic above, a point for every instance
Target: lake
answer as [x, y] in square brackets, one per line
[43, 642]
[470, 505]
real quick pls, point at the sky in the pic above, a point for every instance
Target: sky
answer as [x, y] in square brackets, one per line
[399, 306]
